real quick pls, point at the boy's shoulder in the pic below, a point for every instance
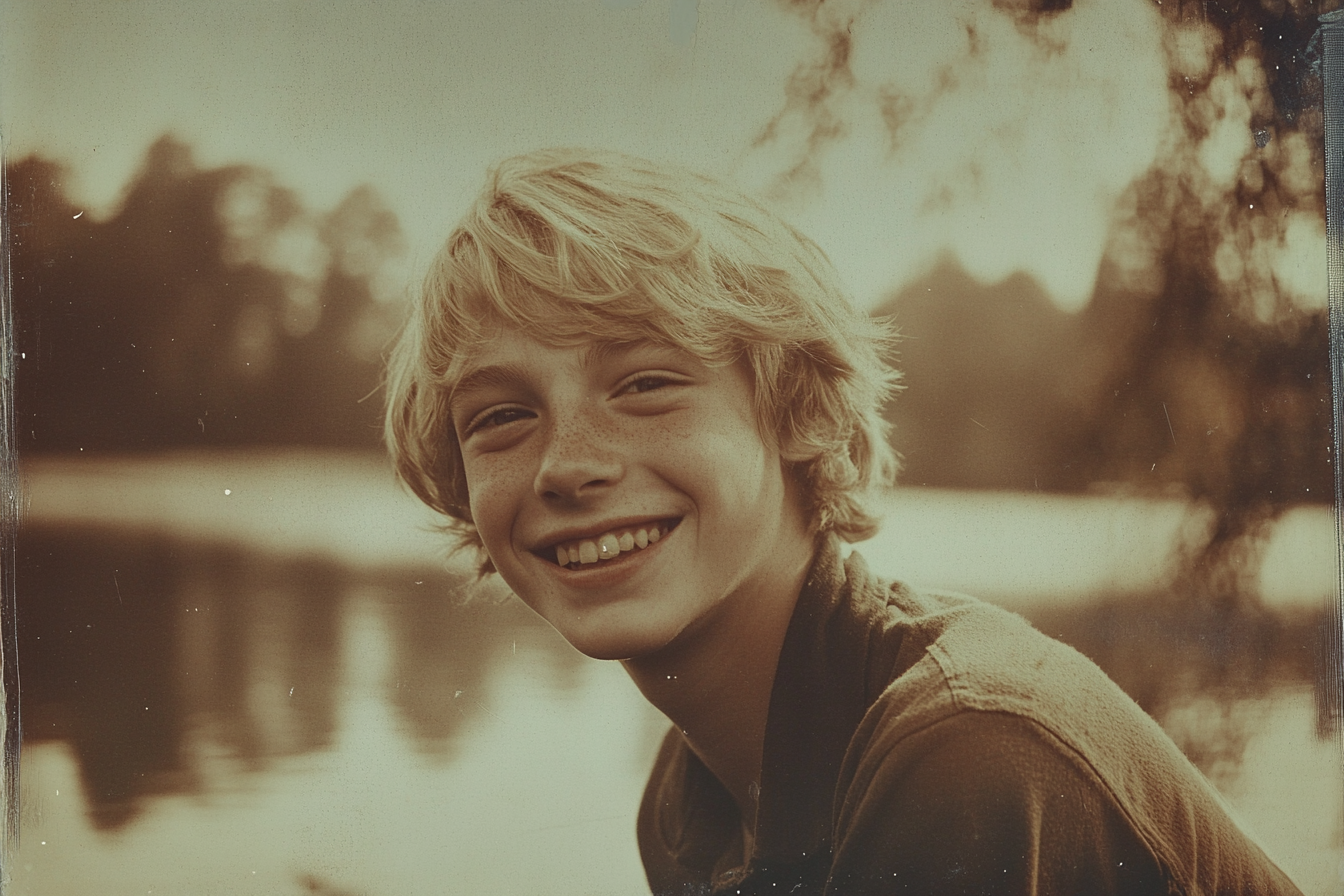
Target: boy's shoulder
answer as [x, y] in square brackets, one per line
[913, 735]
[978, 694]
[958, 654]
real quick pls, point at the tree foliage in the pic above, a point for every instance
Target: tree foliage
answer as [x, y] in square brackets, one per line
[1225, 344]
[210, 309]
[1200, 365]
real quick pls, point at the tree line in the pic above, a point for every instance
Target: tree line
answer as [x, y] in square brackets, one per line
[211, 309]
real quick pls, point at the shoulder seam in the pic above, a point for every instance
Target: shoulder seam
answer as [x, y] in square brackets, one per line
[958, 691]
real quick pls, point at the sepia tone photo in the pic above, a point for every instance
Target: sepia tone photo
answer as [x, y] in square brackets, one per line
[662, 446]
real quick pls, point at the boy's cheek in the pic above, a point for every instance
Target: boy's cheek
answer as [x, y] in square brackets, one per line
[495, 488]
[483, 511]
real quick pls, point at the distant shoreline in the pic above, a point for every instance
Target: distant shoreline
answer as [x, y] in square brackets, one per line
[1018, 548]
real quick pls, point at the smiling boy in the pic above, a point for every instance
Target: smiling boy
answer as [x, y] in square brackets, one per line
[648, 403]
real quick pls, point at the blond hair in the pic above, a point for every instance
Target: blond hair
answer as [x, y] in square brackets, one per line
[570, 246]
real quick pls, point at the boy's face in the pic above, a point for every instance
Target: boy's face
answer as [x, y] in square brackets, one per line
[592, 451]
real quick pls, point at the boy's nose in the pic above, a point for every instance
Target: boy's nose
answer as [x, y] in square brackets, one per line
[576, 461]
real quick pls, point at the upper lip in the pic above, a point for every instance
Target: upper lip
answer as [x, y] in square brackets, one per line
[577, 533]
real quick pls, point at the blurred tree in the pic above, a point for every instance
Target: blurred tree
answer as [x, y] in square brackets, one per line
[1200, 364]
[1215, 295]
[210, 309]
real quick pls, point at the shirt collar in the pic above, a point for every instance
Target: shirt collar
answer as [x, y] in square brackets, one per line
[824, 683]
[819, 697]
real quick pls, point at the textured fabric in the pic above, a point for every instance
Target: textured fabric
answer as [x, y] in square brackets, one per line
[932, 744]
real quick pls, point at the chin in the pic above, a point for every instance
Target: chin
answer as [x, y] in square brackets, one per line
[609, 647]
[614, 641]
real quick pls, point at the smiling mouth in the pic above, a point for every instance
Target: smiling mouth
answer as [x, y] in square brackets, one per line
[582, 552]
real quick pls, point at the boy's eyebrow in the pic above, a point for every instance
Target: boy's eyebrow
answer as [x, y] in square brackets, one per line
[512, 374]
[485, 377]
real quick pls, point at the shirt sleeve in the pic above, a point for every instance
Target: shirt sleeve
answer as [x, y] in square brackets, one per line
[984, 803]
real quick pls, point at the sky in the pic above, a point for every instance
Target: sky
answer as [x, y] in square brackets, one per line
[1015, 144]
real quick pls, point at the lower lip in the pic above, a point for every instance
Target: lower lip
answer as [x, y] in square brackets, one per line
[608, 572]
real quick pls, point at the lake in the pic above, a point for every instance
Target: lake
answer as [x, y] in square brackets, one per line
[257, 673]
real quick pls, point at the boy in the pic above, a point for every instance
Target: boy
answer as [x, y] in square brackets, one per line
[648, 403]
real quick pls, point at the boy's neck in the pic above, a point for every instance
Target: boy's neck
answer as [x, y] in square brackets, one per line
[715, 683]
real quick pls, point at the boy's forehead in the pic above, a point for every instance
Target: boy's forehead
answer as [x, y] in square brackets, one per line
[497, 336]
[513, 340]
[508, 345]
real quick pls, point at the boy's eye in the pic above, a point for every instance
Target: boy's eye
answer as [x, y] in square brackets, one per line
[645, 383]
[494, 418]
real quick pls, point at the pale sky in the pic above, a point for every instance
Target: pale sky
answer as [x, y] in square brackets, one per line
[1013, 158]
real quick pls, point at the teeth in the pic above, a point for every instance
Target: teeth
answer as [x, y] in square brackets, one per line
[606, 546]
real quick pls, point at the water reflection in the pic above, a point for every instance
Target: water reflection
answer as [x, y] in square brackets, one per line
[444, 651]
[137, 651]
[96, 633]
[381, 730]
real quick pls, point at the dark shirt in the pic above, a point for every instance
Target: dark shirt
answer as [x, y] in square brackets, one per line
[931, 744]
